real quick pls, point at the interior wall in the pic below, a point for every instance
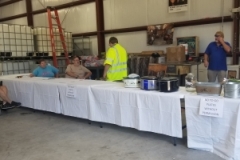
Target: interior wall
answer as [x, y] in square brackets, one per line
[76, 19]
[135, 42]
[131, 13]
[13, 9]
[123, 14]
[20, 21]
[41, 4]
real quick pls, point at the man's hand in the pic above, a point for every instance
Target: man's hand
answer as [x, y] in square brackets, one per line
[206, 63]
[220, 40]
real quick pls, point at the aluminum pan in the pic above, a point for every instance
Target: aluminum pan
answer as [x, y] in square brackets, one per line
[208, 84]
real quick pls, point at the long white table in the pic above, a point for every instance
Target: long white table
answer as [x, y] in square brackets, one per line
[150, 111]
[131, 107]
[101, 101]
[218, 135]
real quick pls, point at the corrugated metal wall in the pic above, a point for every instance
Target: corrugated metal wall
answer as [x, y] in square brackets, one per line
[130, 13]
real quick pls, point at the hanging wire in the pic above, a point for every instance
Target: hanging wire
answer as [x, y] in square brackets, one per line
[147, 15]
[41, 3]
[222, 10]
[112, 17]
[65, 15]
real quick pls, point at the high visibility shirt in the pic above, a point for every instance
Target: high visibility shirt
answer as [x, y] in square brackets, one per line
[116, 57]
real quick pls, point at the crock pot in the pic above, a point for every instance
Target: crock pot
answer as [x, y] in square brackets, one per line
[168, 84]
[131, 81]
[148, 83]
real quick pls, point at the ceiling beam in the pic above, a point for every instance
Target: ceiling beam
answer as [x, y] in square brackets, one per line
[29, 13]
[176, 24]
[13, 17]
[100, 27]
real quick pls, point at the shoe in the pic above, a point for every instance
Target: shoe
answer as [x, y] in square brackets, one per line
[7, 106]
[16, 104]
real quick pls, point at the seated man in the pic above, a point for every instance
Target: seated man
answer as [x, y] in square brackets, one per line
[45, 70]
[7, 103]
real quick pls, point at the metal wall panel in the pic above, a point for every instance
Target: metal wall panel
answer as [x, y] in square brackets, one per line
[135, 42]
[76, 19]
[130, 13]
[20, 21]
[41, 4]
[13, 9]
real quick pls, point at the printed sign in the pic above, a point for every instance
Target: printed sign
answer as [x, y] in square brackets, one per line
[177, 5]
[71, 91]
[211, 106]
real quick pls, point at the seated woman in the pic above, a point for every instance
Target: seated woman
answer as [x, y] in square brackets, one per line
[77, 70]
[45, 70]
[7, 103]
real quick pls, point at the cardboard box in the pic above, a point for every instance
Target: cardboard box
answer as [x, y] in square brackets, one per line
[176, 54]
[178, 69]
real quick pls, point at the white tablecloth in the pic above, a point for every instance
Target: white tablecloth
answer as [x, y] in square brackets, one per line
[131, 107]
[46, 96]
[101, 101]
[79, 106]
[20, 89]
[218, 135]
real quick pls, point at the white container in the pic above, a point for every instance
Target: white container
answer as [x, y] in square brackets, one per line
[12, 35]
[11, 28]
[131, 82]
[17, 29]
[13, 48]
[23, 29]
[190, 81]
[161, 60]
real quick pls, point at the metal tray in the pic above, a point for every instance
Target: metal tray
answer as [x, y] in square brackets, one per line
[208, 88]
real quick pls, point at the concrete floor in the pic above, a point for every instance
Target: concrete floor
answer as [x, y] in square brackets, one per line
[28, 135]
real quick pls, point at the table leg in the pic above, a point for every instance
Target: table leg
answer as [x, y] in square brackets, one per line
[89, 122]
[174, 141]
[100, 124]
[98, 77]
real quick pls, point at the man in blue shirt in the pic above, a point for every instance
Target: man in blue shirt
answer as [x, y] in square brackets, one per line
[44, 70]
[215, 58]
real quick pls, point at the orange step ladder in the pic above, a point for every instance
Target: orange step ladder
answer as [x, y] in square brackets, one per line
[57, 23]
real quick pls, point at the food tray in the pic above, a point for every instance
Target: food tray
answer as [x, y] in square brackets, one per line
[208, 88]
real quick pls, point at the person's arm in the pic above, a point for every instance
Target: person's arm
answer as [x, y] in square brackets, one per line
[206, 60]
[70, 73]
[88, 73]
[108, 62]
[106, 68]
[226, 46]
[35, 73]
[55, 71]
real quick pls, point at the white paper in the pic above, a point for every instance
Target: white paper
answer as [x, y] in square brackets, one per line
[211, 106]
[71, 91]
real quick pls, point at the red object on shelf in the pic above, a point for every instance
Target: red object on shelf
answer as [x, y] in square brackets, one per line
[55, 17]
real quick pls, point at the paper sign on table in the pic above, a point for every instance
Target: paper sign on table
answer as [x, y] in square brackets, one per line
[211, 106]
[71, 91]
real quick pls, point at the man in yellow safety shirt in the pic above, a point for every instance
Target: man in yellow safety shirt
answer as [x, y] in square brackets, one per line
[115, 64]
